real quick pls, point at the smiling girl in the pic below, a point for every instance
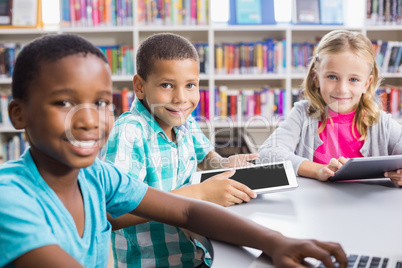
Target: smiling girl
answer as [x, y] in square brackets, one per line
[339, 118]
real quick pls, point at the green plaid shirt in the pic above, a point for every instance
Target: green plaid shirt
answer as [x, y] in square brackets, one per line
[138, 145]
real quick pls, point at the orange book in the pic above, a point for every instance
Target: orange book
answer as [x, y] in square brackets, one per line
[124, 100]
[257, 96]
[107, 15]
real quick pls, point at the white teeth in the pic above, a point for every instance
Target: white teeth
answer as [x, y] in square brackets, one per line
[83, 144]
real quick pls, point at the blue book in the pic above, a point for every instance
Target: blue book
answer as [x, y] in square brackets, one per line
[331, 12]
[251, 12]
[248, 12]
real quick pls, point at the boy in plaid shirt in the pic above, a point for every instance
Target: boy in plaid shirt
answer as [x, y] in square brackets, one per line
[160, 143]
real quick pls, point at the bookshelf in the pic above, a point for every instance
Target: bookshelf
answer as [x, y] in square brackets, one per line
[210, 33]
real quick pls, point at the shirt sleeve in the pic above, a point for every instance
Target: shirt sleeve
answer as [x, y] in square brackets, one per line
[23, 225]
[123, 193]
[202, 145]
[282, 144]
[395, 136]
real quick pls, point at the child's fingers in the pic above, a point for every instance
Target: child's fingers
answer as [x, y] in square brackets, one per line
[242, 191]
[334, 164]
[343, 160]
[226, 174]
[248, 157]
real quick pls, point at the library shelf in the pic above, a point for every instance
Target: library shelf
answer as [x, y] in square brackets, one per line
[212, 34]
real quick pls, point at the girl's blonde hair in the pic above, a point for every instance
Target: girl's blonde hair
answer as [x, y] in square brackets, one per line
[368, 111]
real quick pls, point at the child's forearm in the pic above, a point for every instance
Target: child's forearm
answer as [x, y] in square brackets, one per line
[192, 191]
[213, 160]
[213, 222]
[206, 219]
[125, 220]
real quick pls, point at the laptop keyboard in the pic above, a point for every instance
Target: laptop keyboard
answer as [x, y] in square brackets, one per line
[364, 261]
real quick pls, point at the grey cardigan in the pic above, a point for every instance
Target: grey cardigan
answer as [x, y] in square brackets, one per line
[296, 138]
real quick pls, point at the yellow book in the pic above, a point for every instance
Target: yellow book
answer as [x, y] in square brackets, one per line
[224, 101]
[258, 57]
[219, 59]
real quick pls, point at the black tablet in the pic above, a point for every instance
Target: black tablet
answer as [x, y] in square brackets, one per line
[260, 178]
[367, 167]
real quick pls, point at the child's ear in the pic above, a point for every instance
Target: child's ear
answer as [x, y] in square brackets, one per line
[16, 114]
[138, 83]
[368, 83]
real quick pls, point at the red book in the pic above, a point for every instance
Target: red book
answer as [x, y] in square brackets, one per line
[233, 106]
[257, 103]
[124, 100]
[109, 57]
[202, 102]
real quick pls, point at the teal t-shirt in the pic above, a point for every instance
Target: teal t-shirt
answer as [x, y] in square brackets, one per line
[32, 215]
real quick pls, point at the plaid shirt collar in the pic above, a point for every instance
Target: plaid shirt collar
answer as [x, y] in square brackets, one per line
[137, 105]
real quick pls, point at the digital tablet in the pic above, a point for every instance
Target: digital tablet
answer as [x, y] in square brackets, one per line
[260, 178]
[367, 167]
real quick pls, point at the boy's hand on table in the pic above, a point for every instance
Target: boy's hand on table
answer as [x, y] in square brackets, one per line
[239, 160]
[291, 252]
[329, 170]
[395, 176]
[223, 191]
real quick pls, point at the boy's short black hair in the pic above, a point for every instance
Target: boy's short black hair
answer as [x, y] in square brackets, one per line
[48, 48]
[163, 46]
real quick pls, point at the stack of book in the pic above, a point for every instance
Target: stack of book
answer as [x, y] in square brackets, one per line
[8, 55]
[388, 56]
[260, 57]
[78, 13]
[173, 12]
[384, 12]
[120, 58]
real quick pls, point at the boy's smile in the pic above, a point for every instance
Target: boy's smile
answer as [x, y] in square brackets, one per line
[171, 91]
[67, 114]
[342, 79]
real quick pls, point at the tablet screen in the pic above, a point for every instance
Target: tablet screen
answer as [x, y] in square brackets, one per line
[257, 177]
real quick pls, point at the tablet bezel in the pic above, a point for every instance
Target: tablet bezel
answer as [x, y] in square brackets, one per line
[373, 167]
[288, 168]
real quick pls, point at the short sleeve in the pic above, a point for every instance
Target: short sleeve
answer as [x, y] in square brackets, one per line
[23, 225]
[123, 193]
[202, 145]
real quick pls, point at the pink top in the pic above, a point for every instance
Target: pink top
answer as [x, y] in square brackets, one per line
[338, 139]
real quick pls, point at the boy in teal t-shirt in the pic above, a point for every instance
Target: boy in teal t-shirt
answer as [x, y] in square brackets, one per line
[54, 199]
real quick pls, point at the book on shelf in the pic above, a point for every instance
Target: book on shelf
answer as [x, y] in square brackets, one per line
[260, 57]
[306, 12]
[5, 12]
[251, 12]
[331, 12]
[201, 112]
[383, 12]
[24, 14]
[84, 13]
[388, 55]
[242, 105]
[122, 99]
[389, 99]
[120, 58]
[173, 12]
